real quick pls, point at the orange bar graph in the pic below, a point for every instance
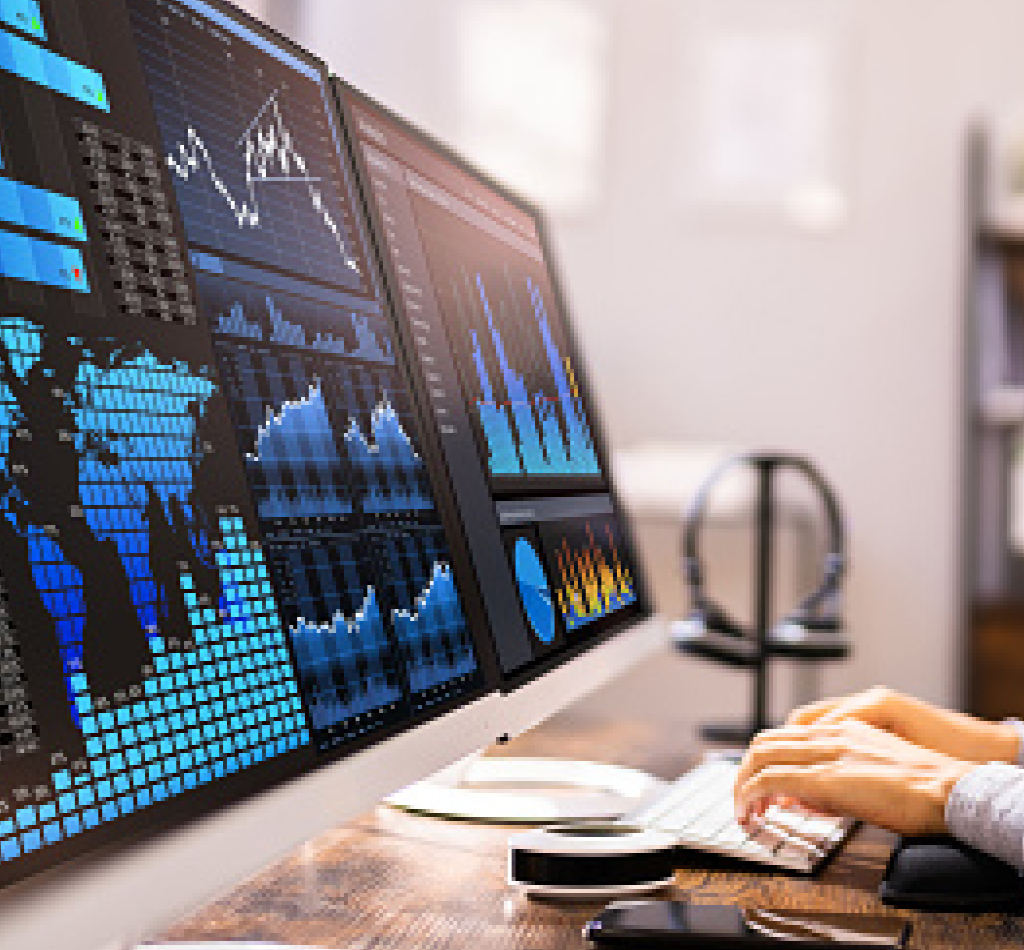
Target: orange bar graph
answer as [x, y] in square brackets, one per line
[593, 582]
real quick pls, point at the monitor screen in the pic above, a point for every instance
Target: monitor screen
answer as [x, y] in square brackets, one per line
[478, 306]
[296, 450]
[224, 557]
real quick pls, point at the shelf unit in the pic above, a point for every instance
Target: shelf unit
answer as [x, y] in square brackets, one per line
[994, 422]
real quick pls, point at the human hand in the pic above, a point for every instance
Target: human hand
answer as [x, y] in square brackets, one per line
[952, 733]
[849, 769]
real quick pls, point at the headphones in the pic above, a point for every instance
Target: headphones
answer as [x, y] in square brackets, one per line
[811, 631]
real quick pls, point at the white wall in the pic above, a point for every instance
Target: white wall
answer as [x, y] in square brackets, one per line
[846, 347]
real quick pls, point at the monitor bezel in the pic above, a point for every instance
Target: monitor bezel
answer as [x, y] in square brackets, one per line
[642, 609]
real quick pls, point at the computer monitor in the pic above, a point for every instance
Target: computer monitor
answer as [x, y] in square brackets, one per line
[479, 309]
[236, 555]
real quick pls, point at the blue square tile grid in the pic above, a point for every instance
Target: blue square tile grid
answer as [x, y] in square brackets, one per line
[204, 714]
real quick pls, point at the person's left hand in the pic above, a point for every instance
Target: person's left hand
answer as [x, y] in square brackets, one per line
[849, 769]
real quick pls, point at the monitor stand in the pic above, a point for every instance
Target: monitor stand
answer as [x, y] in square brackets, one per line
[529, 791]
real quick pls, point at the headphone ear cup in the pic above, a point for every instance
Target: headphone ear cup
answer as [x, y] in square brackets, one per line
[805, 636]
[709, 632]
[717, 621]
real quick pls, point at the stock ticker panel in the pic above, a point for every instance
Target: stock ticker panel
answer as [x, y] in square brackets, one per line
[162, 638]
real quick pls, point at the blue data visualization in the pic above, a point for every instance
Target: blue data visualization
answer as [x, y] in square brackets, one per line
[25, 15]
[391, 472]
[295, 444]
[528, 403]
[323, 437]
[36, 64]
[338, 630]
[249, 143]
[162, 618]
[430, 626]
[534, 590]
[341, 326]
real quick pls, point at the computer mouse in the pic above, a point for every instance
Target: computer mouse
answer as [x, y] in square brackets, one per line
[940, 873]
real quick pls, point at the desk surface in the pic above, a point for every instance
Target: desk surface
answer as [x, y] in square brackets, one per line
[391, 880]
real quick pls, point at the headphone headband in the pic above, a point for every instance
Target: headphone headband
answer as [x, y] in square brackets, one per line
[835, 561]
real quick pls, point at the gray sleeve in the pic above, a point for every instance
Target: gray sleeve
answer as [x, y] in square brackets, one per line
[986, 810]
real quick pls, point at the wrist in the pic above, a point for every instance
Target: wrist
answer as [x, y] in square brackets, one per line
[1006, 738]
[948, 776]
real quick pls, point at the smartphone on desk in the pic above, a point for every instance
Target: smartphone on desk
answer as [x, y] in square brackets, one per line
[725, 927]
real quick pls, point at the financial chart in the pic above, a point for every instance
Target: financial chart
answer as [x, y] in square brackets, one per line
[590, 575]
[272, 315]
[248, 142]
[513, 356]
[324, 438]
[429, 624]
[345, 660]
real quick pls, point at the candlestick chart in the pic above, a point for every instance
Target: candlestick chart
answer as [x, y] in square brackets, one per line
[591, 577]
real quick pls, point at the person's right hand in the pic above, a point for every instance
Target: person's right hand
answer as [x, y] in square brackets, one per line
[848, 769]
[951, 733]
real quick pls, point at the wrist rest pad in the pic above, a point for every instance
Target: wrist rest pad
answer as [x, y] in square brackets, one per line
[940, 873]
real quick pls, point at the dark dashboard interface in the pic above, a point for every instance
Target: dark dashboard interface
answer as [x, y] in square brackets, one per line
[478, 308]
[221, 550]
[241, 533]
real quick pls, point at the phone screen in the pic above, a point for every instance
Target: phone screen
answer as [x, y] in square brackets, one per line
[683, 924]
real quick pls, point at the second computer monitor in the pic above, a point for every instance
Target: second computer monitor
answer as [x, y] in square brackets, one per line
[478, 305]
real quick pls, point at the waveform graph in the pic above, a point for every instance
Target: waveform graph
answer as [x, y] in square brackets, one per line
[429, 623]
[536, 594]
[591, 574]
[326, 323]
[249, 144]
[344, 660]
[289, 438]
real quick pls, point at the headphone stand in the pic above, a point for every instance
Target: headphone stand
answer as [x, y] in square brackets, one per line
[738, 734]
[810, 634]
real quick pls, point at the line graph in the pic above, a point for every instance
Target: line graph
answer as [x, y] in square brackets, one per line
[249, 145]
[265, 147]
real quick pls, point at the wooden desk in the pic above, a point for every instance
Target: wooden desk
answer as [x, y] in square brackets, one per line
[391, 880]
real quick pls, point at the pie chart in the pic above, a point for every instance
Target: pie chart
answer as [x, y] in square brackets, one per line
[534, 591]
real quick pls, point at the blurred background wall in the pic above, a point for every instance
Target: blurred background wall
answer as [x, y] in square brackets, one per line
[841, 342]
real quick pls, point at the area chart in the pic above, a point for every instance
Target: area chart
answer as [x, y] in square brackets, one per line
[429, 624]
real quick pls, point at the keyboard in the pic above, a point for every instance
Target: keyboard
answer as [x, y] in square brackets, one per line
[698, 809]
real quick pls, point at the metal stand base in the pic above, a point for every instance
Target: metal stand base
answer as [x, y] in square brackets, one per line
[735, 734]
